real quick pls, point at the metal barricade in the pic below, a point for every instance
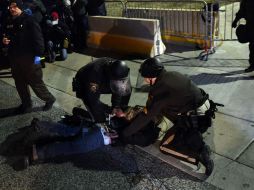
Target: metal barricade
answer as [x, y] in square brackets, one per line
[221, 26]
[228, 10]
[115, 8]
[203, 24]
[179, 20]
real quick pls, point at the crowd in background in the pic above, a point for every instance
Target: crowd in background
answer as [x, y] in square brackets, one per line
[64, 23]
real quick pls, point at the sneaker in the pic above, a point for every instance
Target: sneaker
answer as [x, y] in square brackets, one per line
[205, 159]
[249, 69]
[48, 105]
[23, 109]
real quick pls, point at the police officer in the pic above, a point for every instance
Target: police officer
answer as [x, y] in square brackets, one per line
[25, 41]
[246, 12]
[103, 76]
[172, 95]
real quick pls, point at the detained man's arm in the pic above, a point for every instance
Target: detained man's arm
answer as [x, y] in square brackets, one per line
[144, 118]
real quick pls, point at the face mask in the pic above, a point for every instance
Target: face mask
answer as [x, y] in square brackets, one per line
[121, 87]
[55, 22]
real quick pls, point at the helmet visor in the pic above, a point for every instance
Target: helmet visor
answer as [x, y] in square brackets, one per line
[121, 87]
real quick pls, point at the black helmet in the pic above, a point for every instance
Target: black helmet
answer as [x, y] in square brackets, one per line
[118, 70]
[119, 78]
[151, 68]
[242, 33]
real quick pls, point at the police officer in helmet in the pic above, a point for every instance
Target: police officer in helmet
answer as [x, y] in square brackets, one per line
[103, 76]
[174, 96]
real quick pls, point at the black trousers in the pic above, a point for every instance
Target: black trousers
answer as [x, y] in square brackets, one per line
[31, 76]
[251, 55]
[183, 142]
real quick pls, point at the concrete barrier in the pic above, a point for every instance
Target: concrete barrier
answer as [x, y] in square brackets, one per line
[126, 35]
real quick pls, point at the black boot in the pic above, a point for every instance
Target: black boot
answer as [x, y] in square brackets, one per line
[249, 69]
[205, 159]
[25, 161]
[48, 105]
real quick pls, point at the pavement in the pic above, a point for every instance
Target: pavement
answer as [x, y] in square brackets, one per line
[231, 137]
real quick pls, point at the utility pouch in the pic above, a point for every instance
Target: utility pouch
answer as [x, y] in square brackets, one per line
[201, 122]
[193, 121]
[213, 108]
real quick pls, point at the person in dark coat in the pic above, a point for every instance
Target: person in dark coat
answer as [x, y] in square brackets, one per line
[25, 41]
[103, 76]
[37, 8]
[4, 63]
[246, 12]
[57, 36]
[96, 7]
[81, 10]
[175, 97]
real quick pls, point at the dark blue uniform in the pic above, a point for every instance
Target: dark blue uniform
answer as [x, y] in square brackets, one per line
[93, 80]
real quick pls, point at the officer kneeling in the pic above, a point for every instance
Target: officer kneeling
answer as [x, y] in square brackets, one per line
[103, 76]
[176, 97]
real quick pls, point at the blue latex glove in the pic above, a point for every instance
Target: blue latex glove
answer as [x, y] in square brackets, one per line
[37, 60]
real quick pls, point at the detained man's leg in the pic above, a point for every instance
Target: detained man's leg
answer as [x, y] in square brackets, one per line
[89, 140]
[44, 132]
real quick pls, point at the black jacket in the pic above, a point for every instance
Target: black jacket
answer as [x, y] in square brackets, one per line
[26, 37]
[93, 80]
[57, 33]
[246, 11]
[26, 42]
[172, 94]
[37, 7]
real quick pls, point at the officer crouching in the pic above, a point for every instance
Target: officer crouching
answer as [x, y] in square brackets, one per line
[176, 97]
[103, 76]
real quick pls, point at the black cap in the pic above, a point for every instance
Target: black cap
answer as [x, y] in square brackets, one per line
[19, 3]
[151, 68]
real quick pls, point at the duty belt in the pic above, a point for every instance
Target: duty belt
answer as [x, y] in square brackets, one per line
[201, 109]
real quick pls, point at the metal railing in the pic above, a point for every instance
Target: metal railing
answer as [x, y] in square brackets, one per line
[192, 21]
[228, 10]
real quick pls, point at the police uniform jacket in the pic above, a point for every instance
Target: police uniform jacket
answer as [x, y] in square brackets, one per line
[171, 95]
[94, 80]
[26, 42]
